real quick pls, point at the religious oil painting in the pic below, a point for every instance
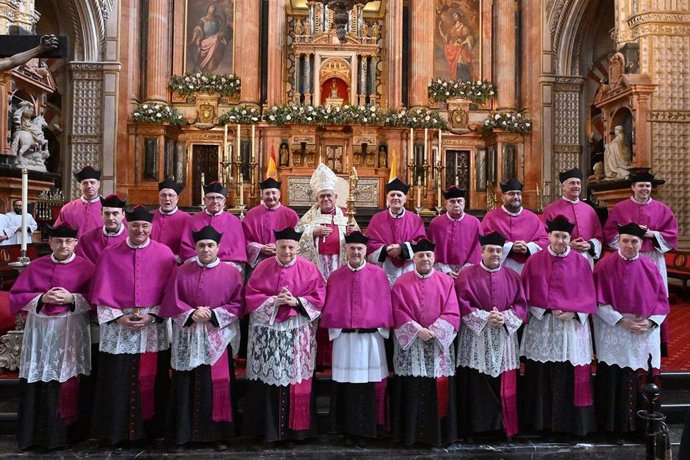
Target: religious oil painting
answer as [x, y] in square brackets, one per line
[209, 39]
[457, 39]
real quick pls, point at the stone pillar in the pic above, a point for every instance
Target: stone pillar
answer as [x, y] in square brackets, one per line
[363, 80]
[276, 37]
[505, 54]
[421, 51]
[157, 52]
[297, 92]
[247, 65]
[393, 44]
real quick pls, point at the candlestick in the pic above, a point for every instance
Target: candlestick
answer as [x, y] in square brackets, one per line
[438, 190]
[225, 142]
[239, 145]
[419, 191]
[202, 189]
[426, 145]
[25, 207]
[253, 140]
[241, 190]
[410, 147]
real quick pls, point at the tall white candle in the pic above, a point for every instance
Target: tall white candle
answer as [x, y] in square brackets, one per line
[239, 146]
[241, 189]
[225, 143]
[419, 192]
[25, 207]
[202, 189]
[410, 147]
[426, 145]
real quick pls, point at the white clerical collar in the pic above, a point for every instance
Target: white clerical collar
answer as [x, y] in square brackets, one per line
[419, 275]
[62, 262]
[462, 216]
[213, 264]
[141, 246]
[290, 264]
[356, 269]
[567, 251]
[514, 214]
[397, 216]
[85, 200]
[214, 215]
[168, 213]
[575, 201]
[117, 232]
[270, 209]
[625, 258]
[649, 200]
[490, 270]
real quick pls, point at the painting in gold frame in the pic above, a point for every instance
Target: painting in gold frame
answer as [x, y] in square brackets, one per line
[209, 36]
[458, 39]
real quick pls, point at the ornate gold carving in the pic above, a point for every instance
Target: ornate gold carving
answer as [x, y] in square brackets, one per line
[459, 119]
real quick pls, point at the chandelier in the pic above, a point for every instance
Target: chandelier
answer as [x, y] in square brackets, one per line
[341, 13]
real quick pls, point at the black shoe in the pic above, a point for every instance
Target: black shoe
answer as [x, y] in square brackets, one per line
[220, 447]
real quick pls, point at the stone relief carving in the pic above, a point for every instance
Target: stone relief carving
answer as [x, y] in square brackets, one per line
[29, 145]
[617, 156]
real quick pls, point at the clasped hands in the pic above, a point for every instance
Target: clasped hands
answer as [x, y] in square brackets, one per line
[496, 318]
[580, 245]
[286, 298]
[57, 296]
[636, 325]
[563, 315]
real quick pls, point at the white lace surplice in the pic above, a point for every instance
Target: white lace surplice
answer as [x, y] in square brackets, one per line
[547, 339]
[487, 349]
[202, 343]
[282, 353]
[618, 346]
[434, 358]
[392, 271]
[56, 347]
[359, 358]
[119, 340]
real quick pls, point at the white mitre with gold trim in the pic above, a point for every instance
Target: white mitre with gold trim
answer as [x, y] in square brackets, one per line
[323, 179]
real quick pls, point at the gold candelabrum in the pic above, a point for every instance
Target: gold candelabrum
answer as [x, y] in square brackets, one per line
[412, 180]
[439, 188]
[490, 196]
[353, 179]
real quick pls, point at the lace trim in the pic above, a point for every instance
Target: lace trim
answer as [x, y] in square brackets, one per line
[407, 333]
[423, 359]
[117, 339]
[56, 347]
[202, 343]
[553, 340]
[491, 352]
[618, 346]
[444, 332]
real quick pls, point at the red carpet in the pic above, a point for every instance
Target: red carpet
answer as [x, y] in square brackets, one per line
[679, 346]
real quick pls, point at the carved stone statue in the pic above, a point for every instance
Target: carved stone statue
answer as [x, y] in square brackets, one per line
[299, 27]
[29, 145]
[374, 31]
[617, 156]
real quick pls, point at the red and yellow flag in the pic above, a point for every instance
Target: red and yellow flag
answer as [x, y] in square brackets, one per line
[394, 167]
[272, 167]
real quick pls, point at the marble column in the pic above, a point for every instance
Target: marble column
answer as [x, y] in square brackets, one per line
[157, 52]
[363, 80]
[297, 89]
[421, 51]
[307, 79]
[505, 54]
[276, 37]
[393, 43]
[247, 65]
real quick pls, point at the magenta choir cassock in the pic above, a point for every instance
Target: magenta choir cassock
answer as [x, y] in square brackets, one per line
[424, 402]
[55, 359]
[358, 316]
[281, 349]
[92, 243]
[488, 357]
[386, 229]
[558, 352]
[232, 245]
[168, 228]
[626, 288]
[456, 240]
[82, 214]
[132, 386]
[521, 226]
[587, 224]
[201, 354]
[259, 224]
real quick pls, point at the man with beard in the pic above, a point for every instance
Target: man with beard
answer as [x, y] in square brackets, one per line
[55, 358]
[632, 301]
[134, 360]
[169, 221]
[358, 322]
[587, 234]
[10, 229]
[84, 213]
[493, 307]
[284, 297]
[204, 300]
[391, 233]
[261, 221]
[113, 231]
[523, 230]
[557, 341]
[455, 234]
[426, 319]
[233, 248]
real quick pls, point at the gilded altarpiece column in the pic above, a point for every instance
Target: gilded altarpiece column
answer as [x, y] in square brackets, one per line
[664, 39]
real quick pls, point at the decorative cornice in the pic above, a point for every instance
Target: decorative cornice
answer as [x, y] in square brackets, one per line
[660, 23]
[669, 116]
